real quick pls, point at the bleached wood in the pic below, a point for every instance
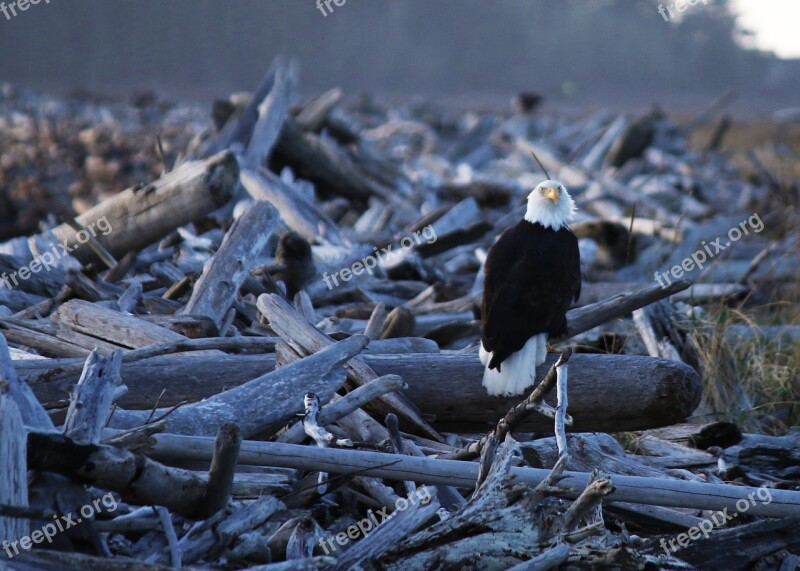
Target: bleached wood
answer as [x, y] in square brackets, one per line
[263, 404]
[18, 391]
[13, 468]
[141, 216]
[225, 273]
[585, 318]
[298, 214]
[25, 334]
[272, 112]
[314, 113]
[304, 338]
[313, 428]
[651, 394]
[376, 321]
[389, 532]
[635, 489]
[561, 368]
[112, 326]
[90, 403]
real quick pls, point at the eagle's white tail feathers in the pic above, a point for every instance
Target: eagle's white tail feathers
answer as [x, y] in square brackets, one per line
[518, 370]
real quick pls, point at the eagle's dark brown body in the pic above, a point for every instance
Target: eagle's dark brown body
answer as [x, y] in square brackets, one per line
[532, 275]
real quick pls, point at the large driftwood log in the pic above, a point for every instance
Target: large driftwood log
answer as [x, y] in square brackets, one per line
[304, 339]
[138, 217]
[263, 404]
[461, 474]
[225, 273]
[135, 477]
[651, 393]
[105, 324]
[298, 214]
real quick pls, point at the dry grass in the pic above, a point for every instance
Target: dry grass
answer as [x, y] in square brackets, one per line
[764, 137]
[750, 381]
[753, 382]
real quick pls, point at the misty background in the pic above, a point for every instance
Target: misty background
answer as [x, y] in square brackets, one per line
[605, 51]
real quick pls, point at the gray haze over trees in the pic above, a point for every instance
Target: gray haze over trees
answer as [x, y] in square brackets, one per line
[461, 48]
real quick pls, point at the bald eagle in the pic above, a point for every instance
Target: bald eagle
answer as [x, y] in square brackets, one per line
[531, 276]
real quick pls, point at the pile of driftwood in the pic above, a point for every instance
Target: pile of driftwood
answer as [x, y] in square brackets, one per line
[266, 358]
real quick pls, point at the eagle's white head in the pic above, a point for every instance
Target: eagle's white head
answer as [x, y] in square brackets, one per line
[550, 205]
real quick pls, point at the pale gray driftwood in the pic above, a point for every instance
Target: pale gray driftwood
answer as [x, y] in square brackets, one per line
[29, 409]
[138, 216]
[420, 508]
[272, 112]
[225, 273]
[652, 392]
[304, 339]
[90, 403]
[13, 469]
[263, 404]
[635, 489]
[105, 324]
[342, 406]
[298, 214]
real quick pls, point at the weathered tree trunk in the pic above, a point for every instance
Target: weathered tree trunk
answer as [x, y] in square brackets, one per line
[13, 470]
[225, 273]
[138, 217]
[263, 404]
[607, 393]
[636, 489]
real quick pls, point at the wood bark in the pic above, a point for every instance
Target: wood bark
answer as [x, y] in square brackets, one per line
[304, 339]
[635, 489]
[138, 217]
[652, 392]
[225, 273]
[263, 404]
[13, 469]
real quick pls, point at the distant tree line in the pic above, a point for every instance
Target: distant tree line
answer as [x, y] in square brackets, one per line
[404, 46]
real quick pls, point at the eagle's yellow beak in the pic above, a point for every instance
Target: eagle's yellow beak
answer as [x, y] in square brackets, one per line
[552, 194]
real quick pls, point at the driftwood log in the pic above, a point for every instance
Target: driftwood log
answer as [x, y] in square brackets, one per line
[138, 217]
[225, 273]
[651, 393]
[461, 474]
[262, 404]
